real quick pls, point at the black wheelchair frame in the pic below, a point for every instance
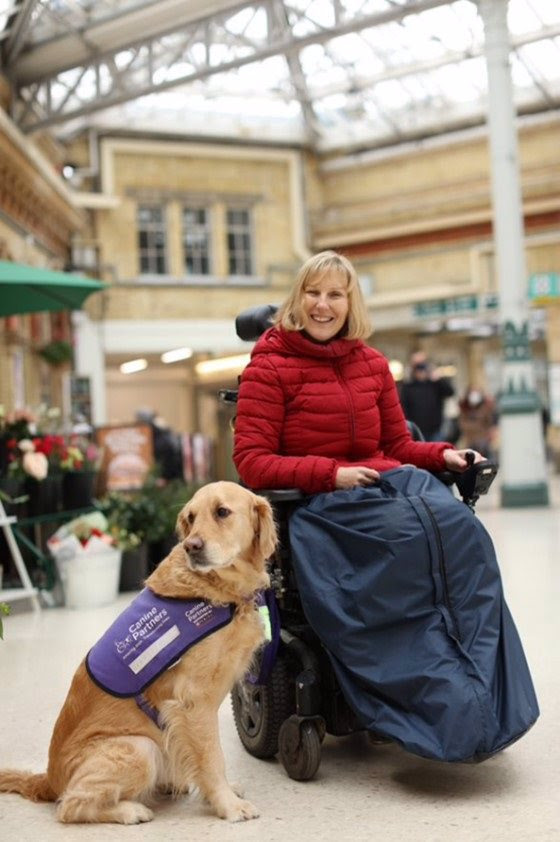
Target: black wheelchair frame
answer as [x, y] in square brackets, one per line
[302, 701]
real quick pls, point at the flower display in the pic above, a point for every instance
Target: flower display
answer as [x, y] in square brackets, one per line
[19, 424]
[89, 533]
[79, 454]
[35, 464]
[33, 457]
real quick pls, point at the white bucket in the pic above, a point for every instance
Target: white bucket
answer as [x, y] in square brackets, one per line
[91, 579]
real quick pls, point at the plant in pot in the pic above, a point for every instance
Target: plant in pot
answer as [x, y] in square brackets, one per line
[131, 517]
[79, 462]
[166, 500]
[88, 551]
[15, 426]
[149, 514]
[44, 486]
[57, 353]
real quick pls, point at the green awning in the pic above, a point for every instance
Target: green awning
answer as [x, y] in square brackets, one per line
[28, 289]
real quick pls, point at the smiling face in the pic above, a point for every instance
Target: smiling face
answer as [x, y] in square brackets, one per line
[325, 305]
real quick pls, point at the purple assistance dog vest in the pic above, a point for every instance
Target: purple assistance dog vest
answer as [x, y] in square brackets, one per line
[148, 638]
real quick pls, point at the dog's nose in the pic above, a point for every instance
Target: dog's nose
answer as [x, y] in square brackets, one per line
[193, 544]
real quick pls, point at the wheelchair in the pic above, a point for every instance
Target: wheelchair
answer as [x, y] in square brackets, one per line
[289, 712]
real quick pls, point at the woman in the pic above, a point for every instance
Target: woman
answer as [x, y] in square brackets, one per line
[318, 409]
[396, 576]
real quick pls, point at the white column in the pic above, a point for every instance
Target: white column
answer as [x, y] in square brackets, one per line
[522, 454]
[89, 361]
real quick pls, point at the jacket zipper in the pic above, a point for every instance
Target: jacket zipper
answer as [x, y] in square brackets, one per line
[443, 569]
[349, 402]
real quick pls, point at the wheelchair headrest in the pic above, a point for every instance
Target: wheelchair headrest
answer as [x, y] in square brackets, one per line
[251, 323]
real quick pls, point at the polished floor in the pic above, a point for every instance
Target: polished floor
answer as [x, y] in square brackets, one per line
[361, 792]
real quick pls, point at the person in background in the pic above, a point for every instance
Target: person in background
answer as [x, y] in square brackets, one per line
[478, 420]
[168, 453]
[423, 396]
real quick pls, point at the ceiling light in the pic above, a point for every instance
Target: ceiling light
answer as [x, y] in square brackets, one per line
[222, 364]
[133, 365]
[176, 355]
[397, 369]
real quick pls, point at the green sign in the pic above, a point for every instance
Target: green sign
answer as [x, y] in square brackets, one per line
[544, 285]
[455, 306]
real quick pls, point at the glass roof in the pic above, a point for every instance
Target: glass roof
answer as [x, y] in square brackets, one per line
[331, 74]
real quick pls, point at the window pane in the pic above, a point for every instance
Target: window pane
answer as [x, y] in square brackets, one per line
[152, 238]
[196, 237]
[240, 241]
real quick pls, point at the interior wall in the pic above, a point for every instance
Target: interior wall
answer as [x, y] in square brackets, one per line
[167, 392]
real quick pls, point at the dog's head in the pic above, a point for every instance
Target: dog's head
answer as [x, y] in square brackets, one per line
[224, 525]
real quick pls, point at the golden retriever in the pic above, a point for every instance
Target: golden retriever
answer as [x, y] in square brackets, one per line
[107, 758]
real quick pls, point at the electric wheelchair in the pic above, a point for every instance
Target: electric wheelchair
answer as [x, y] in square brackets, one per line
[287, 706]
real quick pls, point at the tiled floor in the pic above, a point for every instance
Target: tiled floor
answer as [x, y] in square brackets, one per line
[361, 792]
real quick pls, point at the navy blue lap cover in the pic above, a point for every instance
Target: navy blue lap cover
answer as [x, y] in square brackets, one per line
[401, 583]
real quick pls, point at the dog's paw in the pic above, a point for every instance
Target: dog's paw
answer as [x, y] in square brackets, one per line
[241, 811]
[239, 789]
[132, 812]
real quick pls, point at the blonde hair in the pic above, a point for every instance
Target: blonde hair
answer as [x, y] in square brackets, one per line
[290, 313]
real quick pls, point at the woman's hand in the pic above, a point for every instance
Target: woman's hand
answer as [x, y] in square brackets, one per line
[354, 476]
[455, 459]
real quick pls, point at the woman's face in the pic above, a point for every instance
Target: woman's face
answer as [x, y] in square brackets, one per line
[325, 305]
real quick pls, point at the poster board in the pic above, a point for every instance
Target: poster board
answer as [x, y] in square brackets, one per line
[128, 456]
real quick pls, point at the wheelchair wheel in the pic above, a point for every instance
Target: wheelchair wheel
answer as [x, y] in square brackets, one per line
[300, 748]
[260, 710]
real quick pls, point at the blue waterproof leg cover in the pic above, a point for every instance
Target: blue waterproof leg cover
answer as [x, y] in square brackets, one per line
[401, 583]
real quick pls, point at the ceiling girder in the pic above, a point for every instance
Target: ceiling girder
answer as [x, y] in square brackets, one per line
[45, 111]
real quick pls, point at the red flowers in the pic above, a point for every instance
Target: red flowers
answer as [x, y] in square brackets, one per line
[51, 445]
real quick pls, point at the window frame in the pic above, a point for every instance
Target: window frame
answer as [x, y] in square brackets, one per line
[150, 250]
[209, 239]
[248, 229]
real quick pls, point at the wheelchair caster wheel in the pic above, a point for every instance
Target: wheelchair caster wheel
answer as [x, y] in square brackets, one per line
[299, 746]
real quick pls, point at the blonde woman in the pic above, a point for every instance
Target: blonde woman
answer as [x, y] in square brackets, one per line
[318, 409]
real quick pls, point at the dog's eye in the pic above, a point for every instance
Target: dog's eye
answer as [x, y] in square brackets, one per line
[221, 511]
[190, 518]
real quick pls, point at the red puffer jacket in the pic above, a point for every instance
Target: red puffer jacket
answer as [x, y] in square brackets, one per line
[306, 409]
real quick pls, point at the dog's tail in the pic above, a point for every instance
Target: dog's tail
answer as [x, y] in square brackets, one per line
[34, 787]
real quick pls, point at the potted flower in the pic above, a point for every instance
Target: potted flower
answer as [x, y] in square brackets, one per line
[14, 427]
[88, 553]
[79, 462]
[44, 483]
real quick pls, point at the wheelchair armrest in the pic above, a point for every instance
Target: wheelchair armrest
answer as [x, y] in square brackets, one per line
[446, 477]
[281, 495]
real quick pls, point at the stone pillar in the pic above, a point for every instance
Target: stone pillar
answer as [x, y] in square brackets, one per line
[89, 361]
[522, 454]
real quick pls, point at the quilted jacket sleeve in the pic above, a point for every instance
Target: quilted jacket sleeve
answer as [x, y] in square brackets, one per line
[396, 440]
[258, 428]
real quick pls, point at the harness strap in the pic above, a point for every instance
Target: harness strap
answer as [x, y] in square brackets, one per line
[148, 709]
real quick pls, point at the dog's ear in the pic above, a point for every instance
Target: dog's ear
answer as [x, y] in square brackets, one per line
[182, 527]
[265, 529]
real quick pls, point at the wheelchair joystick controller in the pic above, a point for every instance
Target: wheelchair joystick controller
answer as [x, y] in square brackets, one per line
[476, 479]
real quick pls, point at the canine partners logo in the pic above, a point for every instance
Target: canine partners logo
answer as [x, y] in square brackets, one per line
[200, 614]
[141, 628]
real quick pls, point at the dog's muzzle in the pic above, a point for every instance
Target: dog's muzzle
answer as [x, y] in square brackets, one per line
[195, 550]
